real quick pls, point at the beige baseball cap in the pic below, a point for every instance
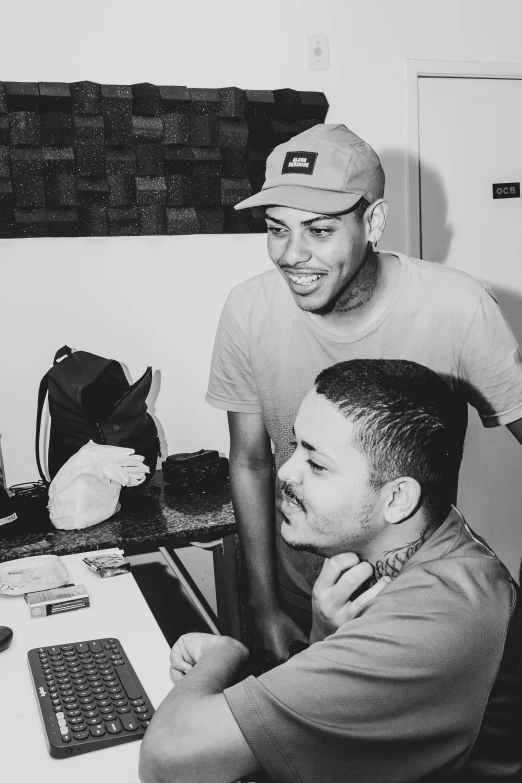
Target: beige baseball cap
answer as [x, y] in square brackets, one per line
[326, 169]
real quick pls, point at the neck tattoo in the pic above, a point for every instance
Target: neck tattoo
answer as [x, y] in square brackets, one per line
[362, 290]
[394, 559]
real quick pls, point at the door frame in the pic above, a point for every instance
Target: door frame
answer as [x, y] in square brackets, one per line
[416, 70]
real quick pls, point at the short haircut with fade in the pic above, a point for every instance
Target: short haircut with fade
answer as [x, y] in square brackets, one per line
[407, 422]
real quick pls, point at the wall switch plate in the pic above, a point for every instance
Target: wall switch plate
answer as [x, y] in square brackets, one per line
[318, 58]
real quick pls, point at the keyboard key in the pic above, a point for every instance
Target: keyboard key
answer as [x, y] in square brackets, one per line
[99, 689]
[100, 656]
[53, 650]
[104, 703]
[109, 677]
[62, 722]
[117, 663]
[81, 735]
[67, 691]
[74, 713]
[89, 666]
[115, 657]
[63, 680]
[128, 722]
[82, 686]
[109, 716]
[145, 724]
[86, 700]
[126, 708]
[131, 689]
[90, 713]
[81, 647]
[68, 699]
[106, 710]
[97, 730]
[107, 646]
[58, 708]
[104, 666]
[95, 647]
[141, 708]
[75, 670]
[67, 647]
[64, 730]
[66, 738]
[93, 721]
[137, 702]
[119, 702]
[55, 701]
[86, 656]
[60, 715]
[75, 720]
[113, 727]
[80, 727]
[80, 680]
[116, 691]
[145, 716]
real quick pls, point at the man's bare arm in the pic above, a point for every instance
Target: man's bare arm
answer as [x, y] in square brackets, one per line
[252, 485]
[193, 735]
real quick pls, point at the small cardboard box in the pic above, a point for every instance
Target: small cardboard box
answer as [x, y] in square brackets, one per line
[57, 600]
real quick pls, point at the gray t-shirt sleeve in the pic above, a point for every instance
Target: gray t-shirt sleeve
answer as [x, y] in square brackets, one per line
[491, 365]
[231, 385]
[395, 695]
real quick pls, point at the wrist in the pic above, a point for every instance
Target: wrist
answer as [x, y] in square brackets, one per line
[232, 649]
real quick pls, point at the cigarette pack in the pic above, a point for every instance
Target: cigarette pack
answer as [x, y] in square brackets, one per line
[57, 600]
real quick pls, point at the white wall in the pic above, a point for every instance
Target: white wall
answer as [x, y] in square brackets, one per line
[156, 300]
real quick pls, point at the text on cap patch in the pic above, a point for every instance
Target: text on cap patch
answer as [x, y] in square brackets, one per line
[299, 163]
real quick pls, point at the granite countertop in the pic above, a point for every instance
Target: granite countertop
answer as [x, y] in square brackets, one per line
[150, 516]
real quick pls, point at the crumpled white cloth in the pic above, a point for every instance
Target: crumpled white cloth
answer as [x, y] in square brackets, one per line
[86, 490]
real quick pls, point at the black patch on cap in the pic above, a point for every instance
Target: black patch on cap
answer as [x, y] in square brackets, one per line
[299, 163]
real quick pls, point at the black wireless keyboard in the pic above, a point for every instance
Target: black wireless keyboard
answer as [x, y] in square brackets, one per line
[89, 696]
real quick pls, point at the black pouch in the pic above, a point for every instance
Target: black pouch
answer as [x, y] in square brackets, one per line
[197, 470]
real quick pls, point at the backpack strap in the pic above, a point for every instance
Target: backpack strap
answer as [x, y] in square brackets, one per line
[63, 353]
[42, 393]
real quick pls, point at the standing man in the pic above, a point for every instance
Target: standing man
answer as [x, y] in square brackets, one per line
[333, 297]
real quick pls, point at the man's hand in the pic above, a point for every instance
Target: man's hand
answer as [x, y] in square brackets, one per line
[340, 577]
[190, 648]
[278, 631]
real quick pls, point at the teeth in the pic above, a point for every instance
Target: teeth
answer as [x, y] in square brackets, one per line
[304, 279]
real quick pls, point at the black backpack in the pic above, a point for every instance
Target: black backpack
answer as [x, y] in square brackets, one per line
[91, 399]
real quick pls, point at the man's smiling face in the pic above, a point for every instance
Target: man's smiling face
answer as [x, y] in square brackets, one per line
[328, 505]
[318, 255]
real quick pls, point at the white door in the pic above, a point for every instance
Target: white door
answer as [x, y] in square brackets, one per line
[470, 138]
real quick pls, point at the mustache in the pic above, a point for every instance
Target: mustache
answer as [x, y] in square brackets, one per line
[289, 492]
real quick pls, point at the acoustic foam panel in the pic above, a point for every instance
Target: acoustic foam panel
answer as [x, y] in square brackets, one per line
[87, 159]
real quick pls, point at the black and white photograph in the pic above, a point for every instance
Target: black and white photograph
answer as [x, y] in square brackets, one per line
[261, 391]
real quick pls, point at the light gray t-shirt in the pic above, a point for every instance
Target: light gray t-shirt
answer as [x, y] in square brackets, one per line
[268, 352]
[424, 683]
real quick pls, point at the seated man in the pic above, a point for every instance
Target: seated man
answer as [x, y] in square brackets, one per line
[417, 679]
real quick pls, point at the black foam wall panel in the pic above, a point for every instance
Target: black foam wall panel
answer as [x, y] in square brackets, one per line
[88, 159]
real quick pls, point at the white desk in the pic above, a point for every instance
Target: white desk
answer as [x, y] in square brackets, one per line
[117, 609]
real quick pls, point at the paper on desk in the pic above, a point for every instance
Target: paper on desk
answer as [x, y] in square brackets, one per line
[28, 574]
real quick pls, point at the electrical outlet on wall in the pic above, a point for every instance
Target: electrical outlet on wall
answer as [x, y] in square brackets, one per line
[318, 58]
